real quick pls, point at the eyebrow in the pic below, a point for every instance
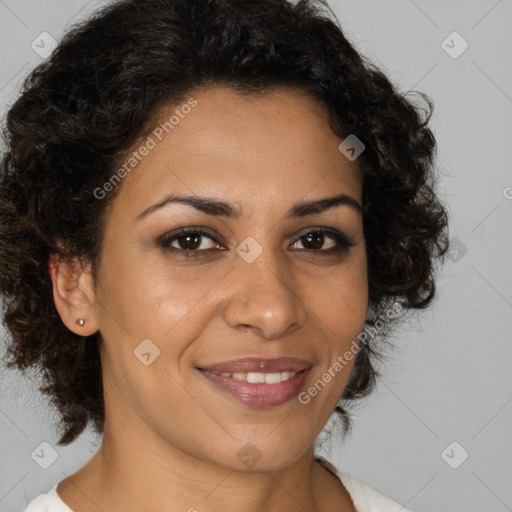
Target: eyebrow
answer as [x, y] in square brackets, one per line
[219, 208]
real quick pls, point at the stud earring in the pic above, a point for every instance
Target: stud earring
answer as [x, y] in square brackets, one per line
[80, 322]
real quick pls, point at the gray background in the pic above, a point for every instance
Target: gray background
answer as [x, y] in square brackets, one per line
[449, 379]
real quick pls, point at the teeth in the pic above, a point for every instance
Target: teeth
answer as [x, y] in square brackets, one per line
[272, 378]
[260, 378]
[255, 378]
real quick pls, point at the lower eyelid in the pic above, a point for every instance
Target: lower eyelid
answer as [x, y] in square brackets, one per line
[342, 242]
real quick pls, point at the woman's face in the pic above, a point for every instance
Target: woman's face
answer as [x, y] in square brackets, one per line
[258, 282]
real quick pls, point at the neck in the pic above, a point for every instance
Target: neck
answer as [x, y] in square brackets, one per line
[136, 470]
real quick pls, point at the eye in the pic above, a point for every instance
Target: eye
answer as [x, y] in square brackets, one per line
[189, 242]
[314, 241]
[193, 242]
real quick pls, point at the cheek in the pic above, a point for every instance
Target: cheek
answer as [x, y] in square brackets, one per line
[147, 296]
[150, 297]
[340, 301]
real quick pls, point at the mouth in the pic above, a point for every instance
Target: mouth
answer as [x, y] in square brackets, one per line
[259, 382]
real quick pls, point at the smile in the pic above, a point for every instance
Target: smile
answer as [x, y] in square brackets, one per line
[260, 378]
[264, 383]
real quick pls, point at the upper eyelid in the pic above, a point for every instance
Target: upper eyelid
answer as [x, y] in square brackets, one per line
[183, 231]
[330, 232]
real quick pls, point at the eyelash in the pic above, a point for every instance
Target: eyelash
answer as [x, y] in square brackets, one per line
[343, 242]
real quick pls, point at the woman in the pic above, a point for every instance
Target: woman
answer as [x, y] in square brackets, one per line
[211, 213]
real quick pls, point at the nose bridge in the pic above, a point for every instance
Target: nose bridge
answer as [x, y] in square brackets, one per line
[263, 295]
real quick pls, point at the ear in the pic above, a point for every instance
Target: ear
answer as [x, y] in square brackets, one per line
[73, 293]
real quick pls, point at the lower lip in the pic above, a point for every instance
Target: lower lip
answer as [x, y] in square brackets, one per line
[259, 395]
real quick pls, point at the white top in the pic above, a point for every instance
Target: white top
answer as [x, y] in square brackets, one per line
[365, 498]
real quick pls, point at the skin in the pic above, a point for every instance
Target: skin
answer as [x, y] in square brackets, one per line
[171, 439]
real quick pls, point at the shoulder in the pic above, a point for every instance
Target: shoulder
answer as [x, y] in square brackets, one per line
[368, 499]
[48, 502]
[365, 498]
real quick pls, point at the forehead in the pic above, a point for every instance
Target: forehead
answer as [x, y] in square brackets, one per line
[242, 147]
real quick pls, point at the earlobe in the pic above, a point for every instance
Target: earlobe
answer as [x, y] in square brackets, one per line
[73, 294]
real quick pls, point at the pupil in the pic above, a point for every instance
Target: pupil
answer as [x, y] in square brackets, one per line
[314, 240]
[191, 242]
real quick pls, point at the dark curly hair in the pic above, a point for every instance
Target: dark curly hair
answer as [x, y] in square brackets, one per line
[100, 91]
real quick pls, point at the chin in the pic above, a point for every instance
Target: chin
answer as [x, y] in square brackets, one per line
[262, 454]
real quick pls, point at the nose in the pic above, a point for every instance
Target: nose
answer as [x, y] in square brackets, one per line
[263, 298]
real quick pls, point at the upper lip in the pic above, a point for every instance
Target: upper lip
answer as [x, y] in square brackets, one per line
[259, 365]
